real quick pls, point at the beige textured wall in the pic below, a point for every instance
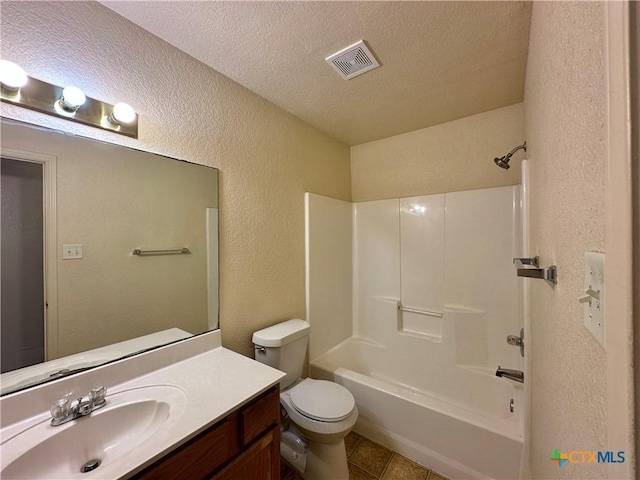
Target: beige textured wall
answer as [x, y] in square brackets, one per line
[111, 199]
[448, 157]
[267, 158]
[565, 125]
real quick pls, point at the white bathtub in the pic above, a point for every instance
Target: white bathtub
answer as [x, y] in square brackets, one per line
[458, 424]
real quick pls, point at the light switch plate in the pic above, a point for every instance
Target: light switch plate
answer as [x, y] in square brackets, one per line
[594, 280]
[71, 251]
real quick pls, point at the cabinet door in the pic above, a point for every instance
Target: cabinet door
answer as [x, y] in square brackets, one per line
[261, 461]
[199, 457]
[259, 416]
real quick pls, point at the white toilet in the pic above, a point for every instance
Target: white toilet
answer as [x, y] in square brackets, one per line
[319, 414]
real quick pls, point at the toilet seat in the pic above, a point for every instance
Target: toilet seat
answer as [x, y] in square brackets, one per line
[321, 400]
[324, 432]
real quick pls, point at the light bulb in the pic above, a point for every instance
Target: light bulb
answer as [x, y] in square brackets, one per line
[12, 76]
[123, 113]
[72, 98]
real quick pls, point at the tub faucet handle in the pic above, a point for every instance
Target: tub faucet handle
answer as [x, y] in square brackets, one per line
[517, 341]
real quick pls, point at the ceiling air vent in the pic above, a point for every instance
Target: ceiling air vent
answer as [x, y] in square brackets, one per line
[353, 61]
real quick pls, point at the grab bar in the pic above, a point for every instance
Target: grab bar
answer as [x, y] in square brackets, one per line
[174, 251]
[429, 313]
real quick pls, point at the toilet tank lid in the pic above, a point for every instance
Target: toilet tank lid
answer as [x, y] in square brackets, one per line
[281, 333]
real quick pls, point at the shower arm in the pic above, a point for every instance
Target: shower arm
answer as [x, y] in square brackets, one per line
[519, 147]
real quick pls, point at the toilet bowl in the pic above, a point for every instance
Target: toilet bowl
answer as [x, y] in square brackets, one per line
[318, 413]
[321, 410]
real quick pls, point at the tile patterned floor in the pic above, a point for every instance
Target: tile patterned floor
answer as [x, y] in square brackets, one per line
[370, 461]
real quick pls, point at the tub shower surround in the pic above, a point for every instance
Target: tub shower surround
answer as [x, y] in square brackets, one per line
[435, 294]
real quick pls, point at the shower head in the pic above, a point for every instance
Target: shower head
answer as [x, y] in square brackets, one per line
[503, 162]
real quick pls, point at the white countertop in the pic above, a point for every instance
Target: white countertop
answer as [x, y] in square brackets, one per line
[214, 382]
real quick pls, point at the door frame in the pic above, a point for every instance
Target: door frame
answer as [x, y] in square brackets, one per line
[619, 238]
[50, 237]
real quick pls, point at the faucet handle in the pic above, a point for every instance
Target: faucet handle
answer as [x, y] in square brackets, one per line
[60, 409]
[98, 395]
[517, 341]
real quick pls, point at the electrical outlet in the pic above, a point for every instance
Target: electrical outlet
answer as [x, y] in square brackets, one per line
[594, 295]
[71, 251]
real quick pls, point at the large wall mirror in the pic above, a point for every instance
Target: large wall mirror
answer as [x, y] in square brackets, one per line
[106, 251]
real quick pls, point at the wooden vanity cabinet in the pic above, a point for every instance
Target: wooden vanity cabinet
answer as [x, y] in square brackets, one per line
[243, 446]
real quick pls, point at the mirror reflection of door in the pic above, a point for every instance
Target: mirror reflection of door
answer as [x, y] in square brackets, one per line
[22, 324]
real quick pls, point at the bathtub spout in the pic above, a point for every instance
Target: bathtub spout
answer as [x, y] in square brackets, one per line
[515, 375]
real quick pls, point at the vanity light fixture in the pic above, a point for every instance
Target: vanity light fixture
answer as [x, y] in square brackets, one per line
[69, 103]
[122, 113]
[72, 98]
[12, 78]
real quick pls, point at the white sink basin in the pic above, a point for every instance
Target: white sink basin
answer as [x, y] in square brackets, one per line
[111, 434]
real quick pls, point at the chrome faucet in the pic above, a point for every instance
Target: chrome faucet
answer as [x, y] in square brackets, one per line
[515, 375]
[64, 410]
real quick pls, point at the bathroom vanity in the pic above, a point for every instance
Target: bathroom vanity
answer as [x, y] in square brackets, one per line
[187, 410]
[245, 444]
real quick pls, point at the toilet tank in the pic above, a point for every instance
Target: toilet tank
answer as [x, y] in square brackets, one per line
[283, 346]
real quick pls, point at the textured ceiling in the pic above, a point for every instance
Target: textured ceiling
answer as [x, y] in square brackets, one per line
[440, 60]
